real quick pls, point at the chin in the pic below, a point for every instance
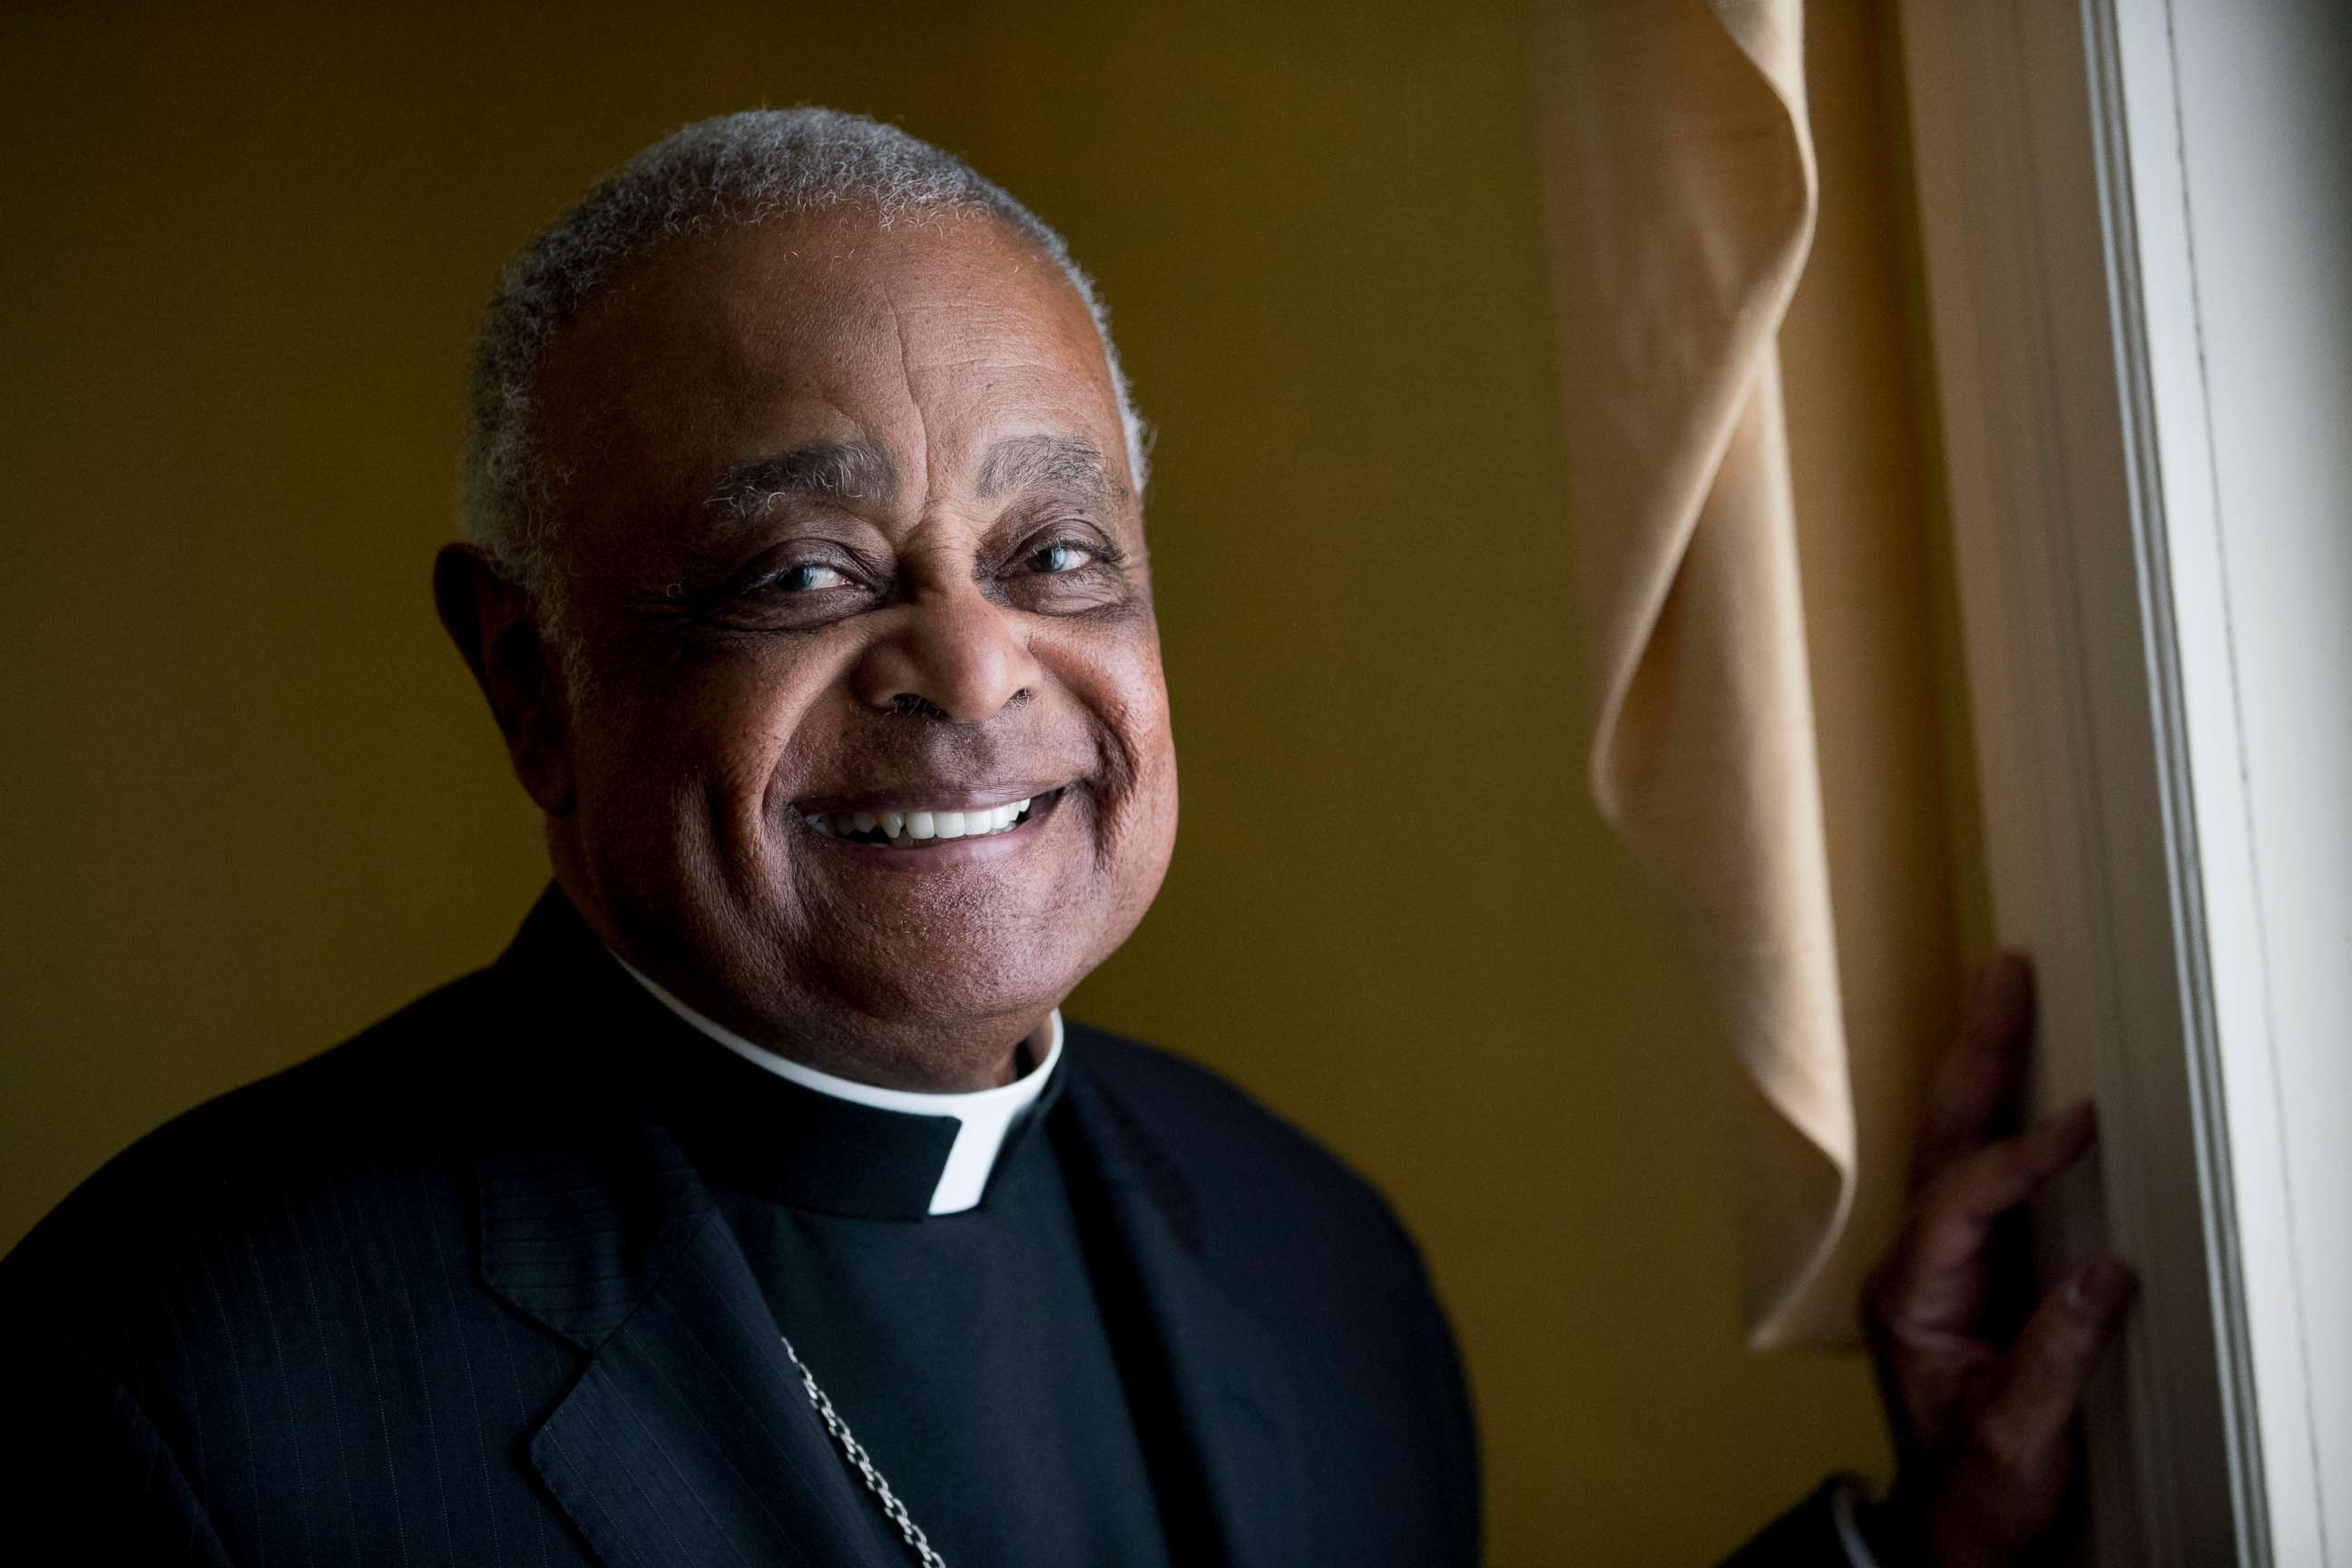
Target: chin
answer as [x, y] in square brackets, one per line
[984, 983]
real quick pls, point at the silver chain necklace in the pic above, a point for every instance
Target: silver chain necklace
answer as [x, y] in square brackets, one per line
[854, 1452]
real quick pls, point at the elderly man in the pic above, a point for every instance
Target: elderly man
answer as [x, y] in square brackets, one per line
[758, 1205]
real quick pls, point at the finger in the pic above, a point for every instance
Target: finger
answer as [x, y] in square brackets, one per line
[2026, 1420]
[1971, 1193]
[1983, 1074]
[1938, 1271]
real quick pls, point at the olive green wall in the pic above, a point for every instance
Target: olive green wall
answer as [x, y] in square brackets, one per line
[253, 803]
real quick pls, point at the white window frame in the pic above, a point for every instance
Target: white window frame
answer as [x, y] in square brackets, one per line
[2071, 387]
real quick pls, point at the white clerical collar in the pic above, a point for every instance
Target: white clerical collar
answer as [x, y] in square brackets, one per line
[986, 1115]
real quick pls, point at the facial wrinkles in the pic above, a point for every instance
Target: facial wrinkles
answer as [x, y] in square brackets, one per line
[1120, 768]
[944, 344]
[926, 467]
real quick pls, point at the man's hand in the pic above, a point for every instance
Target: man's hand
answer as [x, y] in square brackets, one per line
[1980, 1381]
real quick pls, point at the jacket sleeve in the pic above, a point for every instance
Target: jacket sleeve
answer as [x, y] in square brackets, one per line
[1818, 1533]
[96, 1472]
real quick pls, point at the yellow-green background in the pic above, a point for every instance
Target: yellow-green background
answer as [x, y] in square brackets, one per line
[252, 803]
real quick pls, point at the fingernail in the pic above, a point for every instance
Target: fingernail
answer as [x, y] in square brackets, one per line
[2061, 1137]
[2102, 1288]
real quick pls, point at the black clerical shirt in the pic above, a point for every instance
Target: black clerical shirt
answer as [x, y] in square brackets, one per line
[970, 1352]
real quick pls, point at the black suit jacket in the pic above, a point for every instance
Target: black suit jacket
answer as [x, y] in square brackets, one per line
[449, 1294]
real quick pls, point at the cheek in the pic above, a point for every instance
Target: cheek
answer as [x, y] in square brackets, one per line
[1124, 687]
[1140, 829]
[703, 752]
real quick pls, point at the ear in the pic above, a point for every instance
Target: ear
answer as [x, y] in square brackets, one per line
[491, 620]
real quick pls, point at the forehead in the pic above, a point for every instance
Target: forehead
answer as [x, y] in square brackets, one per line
[934, 340]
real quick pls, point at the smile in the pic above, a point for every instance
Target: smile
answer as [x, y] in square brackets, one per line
[918, 829]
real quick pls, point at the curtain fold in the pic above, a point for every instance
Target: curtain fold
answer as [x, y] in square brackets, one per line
[1680, 189]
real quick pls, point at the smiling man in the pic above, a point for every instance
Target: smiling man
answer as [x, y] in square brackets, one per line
[758, 1205]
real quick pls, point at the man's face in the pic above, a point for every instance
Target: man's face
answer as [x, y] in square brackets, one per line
[851, 537]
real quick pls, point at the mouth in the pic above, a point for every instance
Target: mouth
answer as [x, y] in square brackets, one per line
[927, 826]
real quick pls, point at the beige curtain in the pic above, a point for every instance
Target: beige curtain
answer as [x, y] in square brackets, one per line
[1681, 190]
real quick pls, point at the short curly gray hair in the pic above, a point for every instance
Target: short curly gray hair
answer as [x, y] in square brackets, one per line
[736, 169]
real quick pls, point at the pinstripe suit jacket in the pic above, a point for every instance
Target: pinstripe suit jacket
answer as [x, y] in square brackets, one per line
[449, 1294]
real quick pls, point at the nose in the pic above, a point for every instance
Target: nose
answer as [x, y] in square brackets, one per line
[956, 652]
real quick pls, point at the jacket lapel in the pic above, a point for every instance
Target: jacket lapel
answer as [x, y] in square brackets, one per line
[690, 1440]
[688, 1437]
[1217, 1365]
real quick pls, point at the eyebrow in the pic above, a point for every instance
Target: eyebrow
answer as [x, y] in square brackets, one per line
[1020, 462]
[851, 470]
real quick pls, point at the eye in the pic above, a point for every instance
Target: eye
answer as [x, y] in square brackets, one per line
[1057, 559]
[808, 578]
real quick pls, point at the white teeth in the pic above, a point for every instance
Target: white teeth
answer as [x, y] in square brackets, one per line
[920, 826]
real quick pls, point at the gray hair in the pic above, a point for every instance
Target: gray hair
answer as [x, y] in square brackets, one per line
[734, 170]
